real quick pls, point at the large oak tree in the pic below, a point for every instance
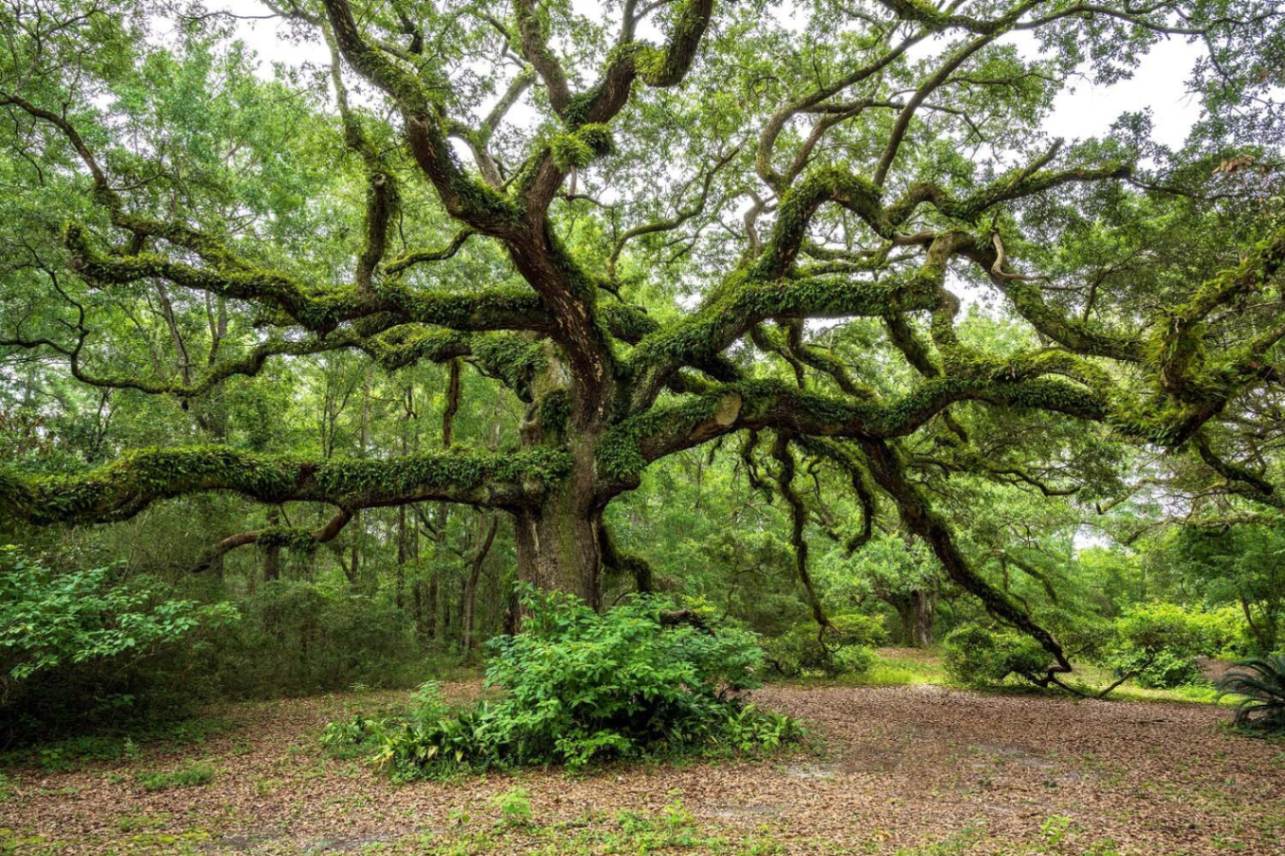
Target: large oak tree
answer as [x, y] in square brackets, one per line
[664, 224]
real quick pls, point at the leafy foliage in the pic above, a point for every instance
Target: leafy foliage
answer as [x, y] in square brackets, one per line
[581, 687]
[297, 637]
[50, 619]
[978, 656]
[1261, 680]
[1159, 643]
[80, 646]
[842, 647]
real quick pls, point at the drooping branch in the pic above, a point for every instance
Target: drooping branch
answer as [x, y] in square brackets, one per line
[1251, 485]
[918, 516]
[850, 462]
[798, 520]
[277, 536]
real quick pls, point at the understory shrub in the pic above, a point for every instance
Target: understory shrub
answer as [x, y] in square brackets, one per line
[81, 648]
[1261, 680]
[979, 656]
[298, 637]
[845, 647]
[1159, 643]
[640, 680]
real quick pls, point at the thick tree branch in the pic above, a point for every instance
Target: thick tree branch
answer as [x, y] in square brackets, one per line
[120, 490]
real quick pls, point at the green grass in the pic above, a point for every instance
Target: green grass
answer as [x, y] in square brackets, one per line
[927, 669]
[890, 671]
[189, 775]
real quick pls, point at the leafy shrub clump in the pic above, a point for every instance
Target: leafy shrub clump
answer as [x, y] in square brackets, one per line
[1158, 644]
[977, 656]
[83, 647]
[840, 649]
[641, 680]
[1261, 680]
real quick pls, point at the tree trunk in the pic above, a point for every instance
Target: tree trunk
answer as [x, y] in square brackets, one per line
[272, 553]
[402, 555]
[485, 538]
[558, 549]
[922, 608]
[558, 544]
[431, 606]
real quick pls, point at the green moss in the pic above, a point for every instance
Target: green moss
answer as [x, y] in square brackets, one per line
[128, 485]
[513, 359]
[554, 411]
[580, 147]
[835, 183]
[299, 540]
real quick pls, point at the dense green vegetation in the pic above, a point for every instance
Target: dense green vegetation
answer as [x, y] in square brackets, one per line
[642, 680]
[636, 355]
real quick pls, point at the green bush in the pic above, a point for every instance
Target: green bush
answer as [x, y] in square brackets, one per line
[853, 659]
[83, 647]
[1158, 643]
[977, 656]
[581, 687]
[842, 648]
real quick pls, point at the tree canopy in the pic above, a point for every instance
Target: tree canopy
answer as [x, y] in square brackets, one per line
[780, 232]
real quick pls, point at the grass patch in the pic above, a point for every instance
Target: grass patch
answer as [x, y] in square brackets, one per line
[190, 775]
[891, 671]
[673, 829]
[73, 753]
[926, 668]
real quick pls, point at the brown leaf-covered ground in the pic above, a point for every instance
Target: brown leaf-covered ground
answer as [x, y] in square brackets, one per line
[907, 769]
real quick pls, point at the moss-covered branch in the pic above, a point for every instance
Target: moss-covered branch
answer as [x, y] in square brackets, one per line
[918, 516]
[321, 308]
[667, 428]
[123, 488]
[748, 297]
[475, 202]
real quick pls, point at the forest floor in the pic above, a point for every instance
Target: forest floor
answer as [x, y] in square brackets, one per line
[917, 768]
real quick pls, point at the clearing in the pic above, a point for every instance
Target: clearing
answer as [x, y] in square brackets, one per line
[917, 769]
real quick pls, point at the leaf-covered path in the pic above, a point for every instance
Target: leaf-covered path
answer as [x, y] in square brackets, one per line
[901, 767]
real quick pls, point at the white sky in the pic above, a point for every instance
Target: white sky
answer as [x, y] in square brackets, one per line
[1159, 84]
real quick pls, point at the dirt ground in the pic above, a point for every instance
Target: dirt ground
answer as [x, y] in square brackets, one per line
[908, 769]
